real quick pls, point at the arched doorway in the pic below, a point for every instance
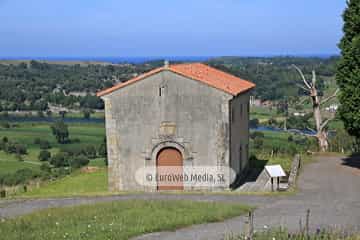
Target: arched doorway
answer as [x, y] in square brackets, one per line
[169, 168]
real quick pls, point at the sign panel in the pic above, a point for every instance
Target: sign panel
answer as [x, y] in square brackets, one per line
[275, 171]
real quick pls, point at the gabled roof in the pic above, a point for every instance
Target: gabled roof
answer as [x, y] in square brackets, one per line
[196, 71]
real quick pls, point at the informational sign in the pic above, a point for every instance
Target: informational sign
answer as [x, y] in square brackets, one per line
[275, 171]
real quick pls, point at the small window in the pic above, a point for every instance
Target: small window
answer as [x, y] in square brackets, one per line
[241, 110]
[161, 91]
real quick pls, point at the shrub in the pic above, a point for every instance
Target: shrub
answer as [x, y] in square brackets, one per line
[258, 143]
[89, 151]
[256, 134]
[11, 147]
[19, 177]
[254, 123]
[61, 132]
[72, 150]
[44, 155]
[45, 167]
[60, 160]
[5, 125]
[79, 161]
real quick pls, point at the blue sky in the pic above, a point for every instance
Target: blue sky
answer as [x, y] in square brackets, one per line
[77, 28]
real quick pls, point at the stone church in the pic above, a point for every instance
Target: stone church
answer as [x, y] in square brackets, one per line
[176, 115]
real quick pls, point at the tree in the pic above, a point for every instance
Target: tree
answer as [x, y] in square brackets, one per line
[60, 160]
[348, 70]
[60, 131]
[44, 155]
[87, 113]
[311, 89]
[62, 114]
[79, 161]
[89, 151]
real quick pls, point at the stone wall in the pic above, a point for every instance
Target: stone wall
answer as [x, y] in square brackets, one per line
[162, 110]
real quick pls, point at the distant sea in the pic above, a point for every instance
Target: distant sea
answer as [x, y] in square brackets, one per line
[137, 60]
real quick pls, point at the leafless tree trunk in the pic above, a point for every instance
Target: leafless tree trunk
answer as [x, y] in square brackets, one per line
[310, 88]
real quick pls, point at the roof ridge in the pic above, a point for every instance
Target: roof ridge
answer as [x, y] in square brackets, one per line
[196, 71]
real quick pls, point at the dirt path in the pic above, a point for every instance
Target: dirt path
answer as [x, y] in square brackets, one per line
[329, 187]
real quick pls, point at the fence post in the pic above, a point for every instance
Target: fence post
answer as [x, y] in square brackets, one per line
[251, 225]
[307, 222]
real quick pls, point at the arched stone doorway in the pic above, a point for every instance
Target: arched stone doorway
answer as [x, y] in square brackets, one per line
[169, 169]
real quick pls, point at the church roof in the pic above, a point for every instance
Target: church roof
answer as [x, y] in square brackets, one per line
[196, 71]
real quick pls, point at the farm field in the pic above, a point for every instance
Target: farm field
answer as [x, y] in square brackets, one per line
[26, 133]
[81, 183]
[116, 220]
[76, 184]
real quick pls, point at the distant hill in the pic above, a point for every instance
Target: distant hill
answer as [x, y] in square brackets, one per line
[33, 85]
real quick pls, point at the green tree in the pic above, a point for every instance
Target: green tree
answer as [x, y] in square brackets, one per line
[60, 159]
[348, 71]
[61, 132]
[89, 151]
[79, 161]
[44, 155]
[87, 113]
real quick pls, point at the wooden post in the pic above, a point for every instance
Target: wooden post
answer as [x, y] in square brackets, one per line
[272, 184]
[278, 183]
[251, 225]
[307, 222]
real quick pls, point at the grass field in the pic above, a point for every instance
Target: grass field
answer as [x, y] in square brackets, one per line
[25, 133]
[116, 220]
[76, 184]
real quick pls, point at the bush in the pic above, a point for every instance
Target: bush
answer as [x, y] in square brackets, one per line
[258, 143]
[72, 150]
[5, 125]
[89, 151]
[61, 132]
[19, 177]
[256, 134]
[60, 160]
[45, 167]
[44, 155]
[11, 147]
[254, 123]
[79, 161]
[60, 172]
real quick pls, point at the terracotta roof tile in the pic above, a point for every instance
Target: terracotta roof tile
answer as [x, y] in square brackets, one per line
[197, 71]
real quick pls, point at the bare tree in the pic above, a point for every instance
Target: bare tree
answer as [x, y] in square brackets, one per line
[317, 102]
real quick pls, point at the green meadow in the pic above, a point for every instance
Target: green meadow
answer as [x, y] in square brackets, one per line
[80, 183]
[26, 133]
[76, 184]
[116, 220]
